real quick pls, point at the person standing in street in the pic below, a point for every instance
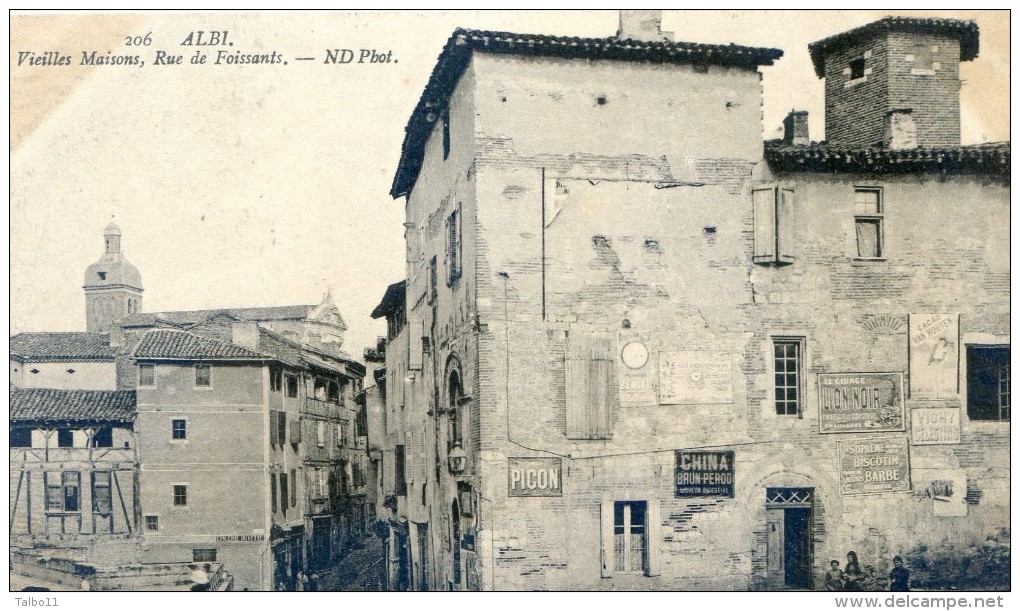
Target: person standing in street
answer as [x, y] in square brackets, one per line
[899, 577]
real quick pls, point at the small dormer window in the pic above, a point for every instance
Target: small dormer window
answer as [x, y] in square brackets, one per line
[102, 275]
[856, 68]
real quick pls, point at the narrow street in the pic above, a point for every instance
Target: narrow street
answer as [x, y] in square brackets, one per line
[359, 571]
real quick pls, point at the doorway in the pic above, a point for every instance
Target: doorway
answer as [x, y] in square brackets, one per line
[788, 514]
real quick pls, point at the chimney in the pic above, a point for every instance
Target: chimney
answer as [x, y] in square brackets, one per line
[116, 336]
[900, 130]
[795, 128]
[245, 334]
[643, 25]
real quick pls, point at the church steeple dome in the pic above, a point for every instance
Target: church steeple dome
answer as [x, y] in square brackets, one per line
[113, 286]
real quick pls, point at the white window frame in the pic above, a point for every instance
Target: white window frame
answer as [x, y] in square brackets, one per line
[179, 439]
[802, 374]
[173, 495]
[877, 218]
[145, 522]
[651, 563]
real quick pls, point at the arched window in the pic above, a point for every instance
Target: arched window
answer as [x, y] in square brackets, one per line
[454, 393]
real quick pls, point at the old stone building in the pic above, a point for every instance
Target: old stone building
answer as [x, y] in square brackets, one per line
[176, 439]
[638, 348]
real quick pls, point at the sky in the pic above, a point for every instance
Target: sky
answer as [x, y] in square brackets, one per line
[259, 185]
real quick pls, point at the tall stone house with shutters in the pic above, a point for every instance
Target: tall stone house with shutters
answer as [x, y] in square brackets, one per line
[639, 348]
[157, 442]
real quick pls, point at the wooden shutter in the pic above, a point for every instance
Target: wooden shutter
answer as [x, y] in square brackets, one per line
[576, 368]
[422, 471]
[785, 226]
[653, 530]
[608, 559]
[409, 458]
[589, 367]
[764, 199]
[775, 570]
[601, 395]
[274, 428]
[415, 331]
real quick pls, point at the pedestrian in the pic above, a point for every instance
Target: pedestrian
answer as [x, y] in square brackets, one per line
[301, 583]
[85, 585]
[899, 577]
[313, 582]
[834, 577]
[853, 577]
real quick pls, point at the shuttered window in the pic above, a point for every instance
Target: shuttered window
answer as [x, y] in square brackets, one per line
[773, 224]
[630, 538]
[590, 397]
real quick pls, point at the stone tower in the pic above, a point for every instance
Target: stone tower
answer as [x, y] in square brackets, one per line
[113, 287]
[895, 83]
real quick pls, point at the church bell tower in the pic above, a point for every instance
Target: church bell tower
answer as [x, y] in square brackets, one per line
[113, 287]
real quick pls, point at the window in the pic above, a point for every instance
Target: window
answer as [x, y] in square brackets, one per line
[179, 429]
[589, 370]
[856, 68]
[281, 424]
[320, 484]
[333, 392]
[21, 438]
[272, 493]
[102, 500]
[203, 375]
[65, 438]
[293, 488]
[275, 379]
[773, 225]
[446, 134]
[320, 433]
[400, 481]
[629, 542]
[629, 536]
[339, 434]
[62, 490]
[292, 386]
[284, 493]
[988, 382]
[788, 369]
[203, 555]
[320, 389]
[455, 393]
[152, 523]
[454, 246]
[103, 437]
[433, 280]
[868, 216]
[180, 496]
[146, 375]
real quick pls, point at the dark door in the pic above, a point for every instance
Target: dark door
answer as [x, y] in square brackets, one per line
[797, 547]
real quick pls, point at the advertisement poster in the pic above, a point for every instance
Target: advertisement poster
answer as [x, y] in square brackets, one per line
[860, 402]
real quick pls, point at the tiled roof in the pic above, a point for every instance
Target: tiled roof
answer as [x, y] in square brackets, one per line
[966, 31]
[72, 406]
[150, 319]
[62, 347]
[457, 52]
[991, 159]
[172, 344]
[392, 300]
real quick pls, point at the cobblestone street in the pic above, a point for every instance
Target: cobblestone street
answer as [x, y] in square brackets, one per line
[359, 571]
